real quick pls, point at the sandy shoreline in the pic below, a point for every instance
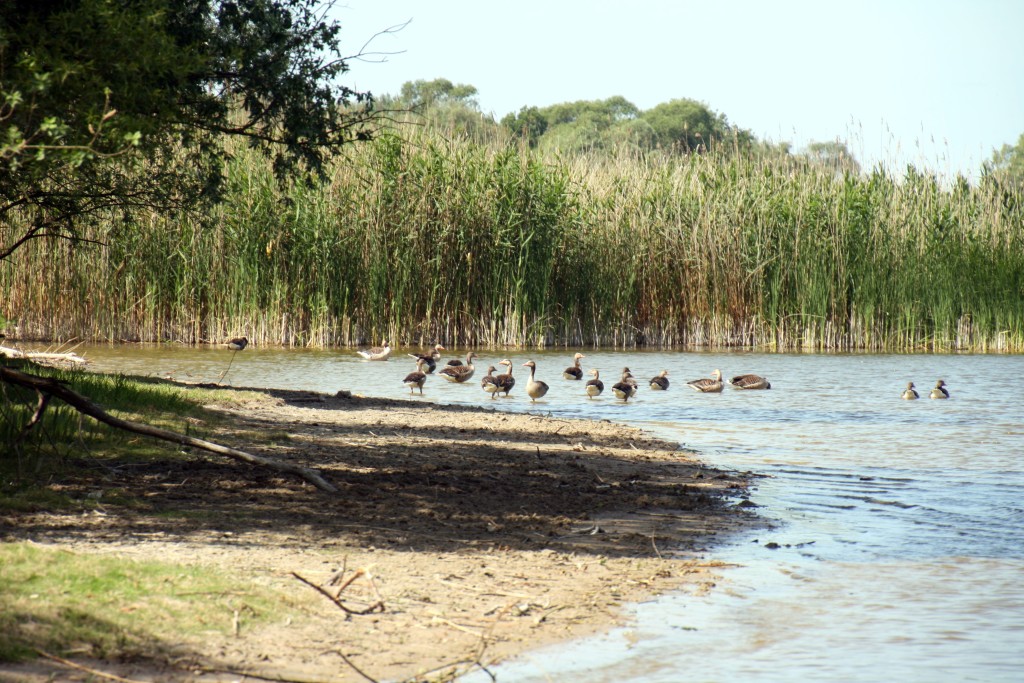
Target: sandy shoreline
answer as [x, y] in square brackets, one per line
[483, 533]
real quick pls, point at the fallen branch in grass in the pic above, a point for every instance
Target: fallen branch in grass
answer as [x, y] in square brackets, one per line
[51, 387]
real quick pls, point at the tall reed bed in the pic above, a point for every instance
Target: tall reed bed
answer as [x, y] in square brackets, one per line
[427, 237]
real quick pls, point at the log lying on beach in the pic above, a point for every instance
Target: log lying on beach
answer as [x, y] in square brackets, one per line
[69, 357]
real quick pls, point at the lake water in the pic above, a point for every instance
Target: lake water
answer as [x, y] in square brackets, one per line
[899, 524]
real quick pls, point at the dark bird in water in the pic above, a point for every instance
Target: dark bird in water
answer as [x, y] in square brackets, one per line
[376, 352]
[594, 386]
[416, 380]
[574, 371]
[459, 373]
[750, 382]
[236, 344]
[489, 382]
[708, 385]
[625, 389]
[430, 359]
[660, 383]
[534, 387]
[940, 390]
[505, 381]
[910, 393]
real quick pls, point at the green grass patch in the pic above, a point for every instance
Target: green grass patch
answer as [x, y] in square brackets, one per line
[66, 438]
[102, 606]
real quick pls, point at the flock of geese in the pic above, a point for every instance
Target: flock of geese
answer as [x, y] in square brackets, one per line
[458, 371]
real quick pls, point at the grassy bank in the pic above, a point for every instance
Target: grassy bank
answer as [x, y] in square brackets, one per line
[56, 600]
[430, 238]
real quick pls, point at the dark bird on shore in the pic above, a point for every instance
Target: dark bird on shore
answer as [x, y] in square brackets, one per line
[939, 391]
[430, 359]
[235, 344]
[625, 388]
[489, 383]
[376, 352]
[505, 380]
[459, 373]
[594, 386]
[416, 380]
[534, 387]
[574, 371]
[750, 382]
[660, 383]
[708, 385]
[910, 393]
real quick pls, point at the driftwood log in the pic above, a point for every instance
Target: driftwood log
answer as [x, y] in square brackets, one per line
[69, 357]
[46, 387]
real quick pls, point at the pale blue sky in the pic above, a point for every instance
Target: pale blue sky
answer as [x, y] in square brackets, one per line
[937, 83]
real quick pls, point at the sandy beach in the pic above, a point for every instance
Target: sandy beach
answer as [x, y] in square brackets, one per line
[466, 534]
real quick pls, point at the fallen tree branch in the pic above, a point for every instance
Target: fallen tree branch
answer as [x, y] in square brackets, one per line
[375, 607]
[44, 399]
[93, 672]
[84, 405]
[69, 357]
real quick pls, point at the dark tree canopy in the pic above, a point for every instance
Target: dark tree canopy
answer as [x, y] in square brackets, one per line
[116, 105]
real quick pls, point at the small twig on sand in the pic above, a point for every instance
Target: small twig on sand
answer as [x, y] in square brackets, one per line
[375, 607]
[354, 667]
[94, 672]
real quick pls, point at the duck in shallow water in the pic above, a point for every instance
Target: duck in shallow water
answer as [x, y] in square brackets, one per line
[459, 373]
[910, 393]
[574, 371]
[376, 352]
[534, 387]
[595, 386]
[750, 382]
[708, 385]
[505, 380]
[416, 379]
[940, 390]
[660, 383]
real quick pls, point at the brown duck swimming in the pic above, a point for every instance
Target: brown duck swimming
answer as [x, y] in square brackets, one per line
[708, 385]
[574, 371]
[910, 393]
[940, 390]
[750, 382]
[376, 352]
[459, 373]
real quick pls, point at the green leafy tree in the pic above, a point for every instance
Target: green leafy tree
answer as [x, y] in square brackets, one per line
[833, 155]
[585, 125]
[112, 106]
[686, 125]
[528, 123]
[423, 94]
[1008, 161]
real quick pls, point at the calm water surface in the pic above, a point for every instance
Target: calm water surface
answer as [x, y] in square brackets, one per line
[900, 523]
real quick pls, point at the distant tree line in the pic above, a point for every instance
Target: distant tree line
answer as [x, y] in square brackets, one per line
[680, 125]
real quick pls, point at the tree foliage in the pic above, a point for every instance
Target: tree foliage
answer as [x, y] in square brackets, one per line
[110, 106]
[1008, 161]
[833, 155]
